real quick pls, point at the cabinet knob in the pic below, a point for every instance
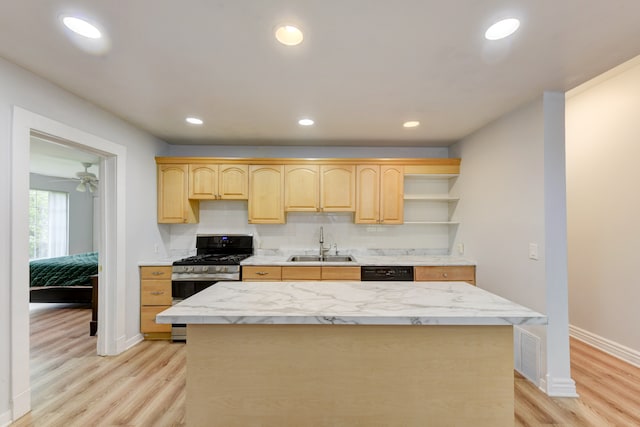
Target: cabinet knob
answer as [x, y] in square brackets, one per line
[445, 275]
[157, 273]
[157, 292]
[261, 273]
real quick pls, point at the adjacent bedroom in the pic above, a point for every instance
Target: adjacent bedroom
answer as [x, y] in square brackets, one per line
[63, 238]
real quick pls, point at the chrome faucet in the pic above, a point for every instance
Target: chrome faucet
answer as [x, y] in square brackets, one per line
[323, 250]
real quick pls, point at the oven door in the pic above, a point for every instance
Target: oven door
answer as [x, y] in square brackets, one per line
[180, 290]
[183, 289]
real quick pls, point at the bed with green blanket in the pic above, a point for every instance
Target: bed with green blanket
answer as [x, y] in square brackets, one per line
[63, 279]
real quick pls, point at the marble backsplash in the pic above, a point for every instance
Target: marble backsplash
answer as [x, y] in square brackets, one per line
[301, 233]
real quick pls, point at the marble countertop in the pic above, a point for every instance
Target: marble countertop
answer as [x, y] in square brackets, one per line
[371, 260]
[160, 262]
[348, 303]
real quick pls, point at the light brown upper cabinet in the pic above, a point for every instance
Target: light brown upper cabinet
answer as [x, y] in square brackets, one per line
[218, 182]
[379, 194]
[338, 188]
[266, 195]
[319, 188]
[174, 206]
[371, 187]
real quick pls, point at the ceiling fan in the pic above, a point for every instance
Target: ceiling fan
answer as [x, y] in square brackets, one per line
[88, 180]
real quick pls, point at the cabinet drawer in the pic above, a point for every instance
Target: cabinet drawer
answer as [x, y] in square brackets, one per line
[155, 272]
[155, 292]
[465, 273]
[301, 273]
[341, 273]
[148, 319]
[253, 273]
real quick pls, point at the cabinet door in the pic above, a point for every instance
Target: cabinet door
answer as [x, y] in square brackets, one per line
[266, 194]
[337, 188]
[340, 273]
[203, 181]
[462, 273]
[155, 292]
[367, 194]
[233, 182]
[174, 205]
[155, 272]
[255, 273]
[301, 273]
[301, 188]
[148, 319]
[391, 195]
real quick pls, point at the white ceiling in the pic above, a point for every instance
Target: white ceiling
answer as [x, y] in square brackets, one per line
[364, 67]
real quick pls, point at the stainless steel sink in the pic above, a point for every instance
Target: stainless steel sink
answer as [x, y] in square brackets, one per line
[338, 258]
[305, 258]
[316, 258]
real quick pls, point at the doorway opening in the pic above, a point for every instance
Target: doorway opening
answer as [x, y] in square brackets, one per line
[64, 241]
[111, 237]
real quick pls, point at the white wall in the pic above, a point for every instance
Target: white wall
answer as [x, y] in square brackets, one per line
[511, 190]
[603, 148]
[301, 231]
[80, 210]
[20, 87]
[304, 152]
[501, 205]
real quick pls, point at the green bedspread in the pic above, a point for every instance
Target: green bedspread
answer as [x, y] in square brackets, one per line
[71, 270]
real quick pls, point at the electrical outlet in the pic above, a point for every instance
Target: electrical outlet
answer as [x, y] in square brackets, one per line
[460, 248]
[156, 249]
[533, 251]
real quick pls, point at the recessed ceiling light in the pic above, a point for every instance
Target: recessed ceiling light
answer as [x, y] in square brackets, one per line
[289, 35]
[305, 122]
[502, 29]
[194, 120]
[81, 27]
[411, 124]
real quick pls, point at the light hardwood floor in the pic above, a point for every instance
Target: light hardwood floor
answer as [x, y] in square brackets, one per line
[71, 386]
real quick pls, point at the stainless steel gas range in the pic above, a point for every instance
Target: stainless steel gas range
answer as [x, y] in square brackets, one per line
[217, 259]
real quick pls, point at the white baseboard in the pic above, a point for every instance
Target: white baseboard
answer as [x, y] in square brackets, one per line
[619, 351]
[21, 404]
[5, 419]
[133, 341]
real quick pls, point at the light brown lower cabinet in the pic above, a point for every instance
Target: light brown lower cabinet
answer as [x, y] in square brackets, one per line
[457, 273]
[341, 273]
[299, 273]
[155, 296]
[258, 273]
[302, 273]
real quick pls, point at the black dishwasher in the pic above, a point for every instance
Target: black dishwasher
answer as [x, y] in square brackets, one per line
[396, 273]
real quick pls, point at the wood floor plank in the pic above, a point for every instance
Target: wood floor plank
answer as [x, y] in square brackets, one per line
[145, 386]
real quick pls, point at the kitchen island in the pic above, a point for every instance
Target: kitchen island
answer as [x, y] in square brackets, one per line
[349, 354]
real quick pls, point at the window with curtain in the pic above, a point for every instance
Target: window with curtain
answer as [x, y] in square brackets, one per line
[48, 224]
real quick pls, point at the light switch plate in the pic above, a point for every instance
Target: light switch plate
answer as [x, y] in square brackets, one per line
[533, 251]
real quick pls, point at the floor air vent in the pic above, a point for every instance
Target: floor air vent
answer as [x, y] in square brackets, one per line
[527, 354]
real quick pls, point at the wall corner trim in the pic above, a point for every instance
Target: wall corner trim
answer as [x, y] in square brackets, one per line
[560, 387]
